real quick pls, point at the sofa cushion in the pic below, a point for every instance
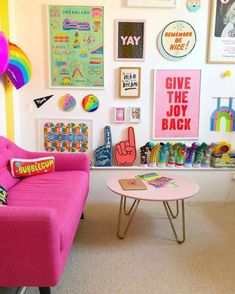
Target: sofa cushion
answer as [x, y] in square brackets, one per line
[32, 167]
[64, 191]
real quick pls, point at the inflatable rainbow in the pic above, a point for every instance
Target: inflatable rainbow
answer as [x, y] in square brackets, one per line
[226, 112]
[19, 69]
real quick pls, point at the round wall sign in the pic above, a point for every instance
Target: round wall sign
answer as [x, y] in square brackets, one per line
[67, 102]
[177, 40]
[193, 5]
[90, 103]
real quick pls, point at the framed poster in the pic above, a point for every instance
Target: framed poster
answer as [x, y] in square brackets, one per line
[120, 114]
[176, 104]
[129, 82]
[76, 46]
[151, 3]
[65, 135]
[135, 114]
[221, 47]
[130, 40]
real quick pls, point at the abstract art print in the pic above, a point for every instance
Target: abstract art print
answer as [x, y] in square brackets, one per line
[65, 135]
[76, 46]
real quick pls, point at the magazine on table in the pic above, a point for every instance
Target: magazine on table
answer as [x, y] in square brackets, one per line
[148, 177]
[161, 182]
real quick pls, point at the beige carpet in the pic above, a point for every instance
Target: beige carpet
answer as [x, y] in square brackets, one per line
[148, 261]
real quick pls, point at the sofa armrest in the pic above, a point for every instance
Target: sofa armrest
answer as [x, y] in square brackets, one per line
[29, 247]
[65, 161]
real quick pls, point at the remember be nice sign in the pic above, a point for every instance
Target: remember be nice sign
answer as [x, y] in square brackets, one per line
[176, 104]
[176, 40]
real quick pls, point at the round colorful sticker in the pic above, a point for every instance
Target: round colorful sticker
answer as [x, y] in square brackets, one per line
[193, 5]
[67, 102]
[90, 103]
[177, 40]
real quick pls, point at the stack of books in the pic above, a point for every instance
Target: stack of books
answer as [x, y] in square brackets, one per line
[156, 180]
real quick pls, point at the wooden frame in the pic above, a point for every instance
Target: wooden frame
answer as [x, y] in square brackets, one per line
[120, 114]
[221, 41]
[129, 40]
[152, 3]
[129, 82]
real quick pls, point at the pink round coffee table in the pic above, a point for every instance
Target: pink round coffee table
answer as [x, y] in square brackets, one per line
[182, 189]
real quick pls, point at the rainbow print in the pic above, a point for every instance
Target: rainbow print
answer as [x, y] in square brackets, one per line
[19, 68]
[226, 112]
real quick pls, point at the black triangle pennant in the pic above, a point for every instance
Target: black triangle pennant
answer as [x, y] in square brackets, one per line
[40, 101]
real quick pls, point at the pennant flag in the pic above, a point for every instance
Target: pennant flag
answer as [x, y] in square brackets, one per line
[40, 101]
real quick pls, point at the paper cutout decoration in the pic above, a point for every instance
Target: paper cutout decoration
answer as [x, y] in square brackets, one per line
[90, 103]
[103, 154]
[4, 53]
[19, 69]
[125, 151]
[177, 40]
[193, 5]
[67, 102]
[226, 112]
[40, 101]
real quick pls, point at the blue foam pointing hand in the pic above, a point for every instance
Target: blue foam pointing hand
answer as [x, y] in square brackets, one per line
[103, 154]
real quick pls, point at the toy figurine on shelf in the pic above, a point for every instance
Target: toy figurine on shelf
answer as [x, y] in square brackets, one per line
[199, 153]
[153, 156]
[144, 153]
[189, 155]
[162, 155]
[206, 161]
[172, 154]
[180, 153]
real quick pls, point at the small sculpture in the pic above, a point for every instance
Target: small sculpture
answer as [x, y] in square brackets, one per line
[144, 153]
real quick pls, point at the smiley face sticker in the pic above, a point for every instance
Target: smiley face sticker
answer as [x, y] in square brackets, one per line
[193, 5]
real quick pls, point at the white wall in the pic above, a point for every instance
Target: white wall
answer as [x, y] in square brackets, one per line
[31, 35]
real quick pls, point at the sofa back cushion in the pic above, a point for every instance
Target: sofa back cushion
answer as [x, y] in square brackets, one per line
[8, 150]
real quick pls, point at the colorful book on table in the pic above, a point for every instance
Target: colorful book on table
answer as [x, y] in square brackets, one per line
[132, 184]
[148, 177]
[161, 182]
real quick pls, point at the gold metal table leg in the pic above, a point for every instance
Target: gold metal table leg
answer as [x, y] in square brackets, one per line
[170, 210]
[130, 210]
[122, 211]
[169, 215]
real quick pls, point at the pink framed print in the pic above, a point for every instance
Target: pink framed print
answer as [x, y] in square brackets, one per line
[129, 40]
[176, 104]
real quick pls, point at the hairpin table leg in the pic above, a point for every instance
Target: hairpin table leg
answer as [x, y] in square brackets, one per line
[169, 215]
[170, 210]
[131, 213]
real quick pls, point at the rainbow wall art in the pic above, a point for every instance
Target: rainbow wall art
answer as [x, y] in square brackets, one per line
[221, 112]
[19, 68]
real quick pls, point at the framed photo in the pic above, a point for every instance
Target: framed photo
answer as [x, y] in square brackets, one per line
[130, 40]
[129, 82]
[120, 114]
[65, 135]
[221, 47]
[135, 114]
[176, 104]
[76, 46]
[151, 3]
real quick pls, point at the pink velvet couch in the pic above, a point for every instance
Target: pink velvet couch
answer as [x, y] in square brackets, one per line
[37, 227]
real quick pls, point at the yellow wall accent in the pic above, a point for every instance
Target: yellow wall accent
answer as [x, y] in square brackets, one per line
[4, 26]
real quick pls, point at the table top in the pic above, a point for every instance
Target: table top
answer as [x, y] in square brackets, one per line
[185, 188]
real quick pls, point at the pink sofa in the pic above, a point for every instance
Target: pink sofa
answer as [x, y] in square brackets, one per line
[38, 225]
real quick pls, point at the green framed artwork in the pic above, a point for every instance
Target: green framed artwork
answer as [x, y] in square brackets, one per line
[76, 46]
